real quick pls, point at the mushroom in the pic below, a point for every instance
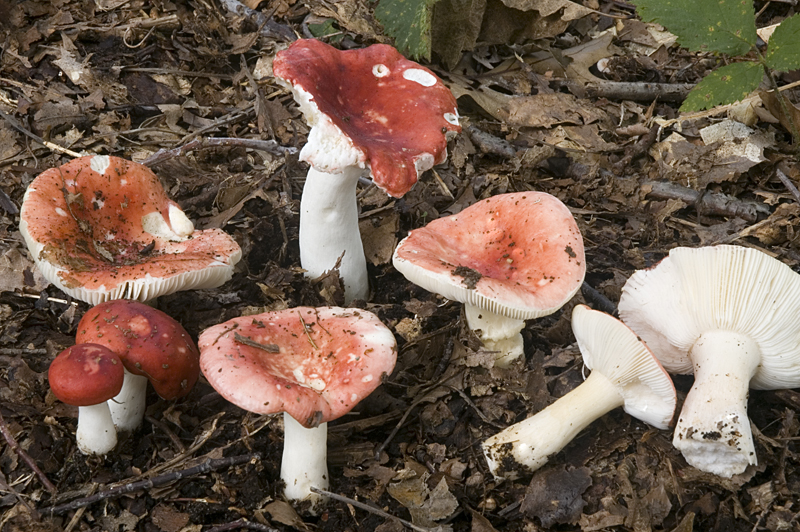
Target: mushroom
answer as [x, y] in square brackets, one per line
[728, 314]
[624, 373]
[102, 228]
[368, 107]
[508, 258]
[312, 364]
[151, 345]
[86, 376]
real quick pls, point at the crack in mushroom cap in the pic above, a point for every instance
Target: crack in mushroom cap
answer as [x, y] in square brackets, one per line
[373, 106]
[325, 361]
[520, 255]
[149, 342]
[728, 288]
[102, 228]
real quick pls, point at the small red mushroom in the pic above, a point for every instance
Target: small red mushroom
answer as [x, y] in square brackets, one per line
[102, 228]
[508, 258]
[369, 107]
[86, 376]
[152, 346]
[312, 364]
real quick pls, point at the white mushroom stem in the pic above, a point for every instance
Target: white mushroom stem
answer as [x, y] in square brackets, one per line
[530, 443]
[713, 430]
[128, 406]
[498, 333]
[96, 433]
[305, 461]
[329, 229]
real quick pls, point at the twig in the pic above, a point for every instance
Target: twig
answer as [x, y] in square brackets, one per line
[488, 143]
[788, 184]
[161, 480]
[637, 91]
[268, 27]
[597, 300]
[242, 523]
[269, 348]
[714, 203]
[213, 142]
[371, 509]
[54, 147]
[12, 442]
[407, 413]
[229, 119]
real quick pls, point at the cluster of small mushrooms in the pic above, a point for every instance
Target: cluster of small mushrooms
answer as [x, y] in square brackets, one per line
[103, 230]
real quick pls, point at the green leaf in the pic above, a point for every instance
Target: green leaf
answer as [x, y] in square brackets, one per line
[325, 28]
[725, 85]
[722, 26]
[784, 46]
[409, 22]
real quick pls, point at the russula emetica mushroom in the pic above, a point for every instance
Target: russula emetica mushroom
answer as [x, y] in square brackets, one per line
[152, 346]
[624, 373]
[508, 258]
[102, 228]
[728, 314]
[86, 376]
[367, 108]
[311, 364]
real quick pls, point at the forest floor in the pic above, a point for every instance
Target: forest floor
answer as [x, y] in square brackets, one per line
[128, 78]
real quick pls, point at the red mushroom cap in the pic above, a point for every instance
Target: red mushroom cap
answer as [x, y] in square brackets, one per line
[315, 364]
[519, 255]
[149, 342]
[85, 375]
[103, 228]
[396, 112]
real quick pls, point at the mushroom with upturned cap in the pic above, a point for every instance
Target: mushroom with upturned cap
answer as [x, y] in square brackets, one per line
[86, 376]
[508, 258]
[151, 345]
[624, 373]
[102, 228]
[728, 314]
[368, 107]
[312, 364]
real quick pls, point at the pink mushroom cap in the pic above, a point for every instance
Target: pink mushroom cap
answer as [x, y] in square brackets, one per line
[101, 228]
[85, 375]
[314, 364]
[397, 113]
[149, 342]
[520, 255]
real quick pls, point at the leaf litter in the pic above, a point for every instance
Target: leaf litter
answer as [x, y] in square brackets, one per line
[540, 113]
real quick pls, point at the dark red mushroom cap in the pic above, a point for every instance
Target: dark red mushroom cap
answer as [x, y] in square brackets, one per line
[315, 364]
[103, 228]
[397, 113]
[85, 375]
[149, 342]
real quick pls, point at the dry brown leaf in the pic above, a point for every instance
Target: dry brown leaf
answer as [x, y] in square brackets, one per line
[571, 10]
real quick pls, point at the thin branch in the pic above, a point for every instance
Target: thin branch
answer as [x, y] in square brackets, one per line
[50, 145]
[161, 480]
[213, 142]
[709, 203]
[371, 509]
[12, 442]
[242, 523]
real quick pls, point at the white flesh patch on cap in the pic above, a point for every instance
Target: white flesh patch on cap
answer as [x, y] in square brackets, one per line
[100, 164]
[425, 161]
[155, 224]
[380, 71]
[417, 75]
[328, 149]
[451, 118]
[180, 223]
[61, 212]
